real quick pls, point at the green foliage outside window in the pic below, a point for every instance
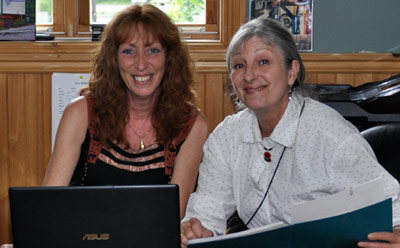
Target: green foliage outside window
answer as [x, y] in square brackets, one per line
[184, 10]
[180, 11]
[45, 6]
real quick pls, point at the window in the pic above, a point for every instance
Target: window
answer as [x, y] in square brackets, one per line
[50, 16]
[44, 11]
[181, 12]
[197, 20]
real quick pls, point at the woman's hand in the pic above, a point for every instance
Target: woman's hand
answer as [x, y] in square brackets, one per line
[392, 239]
[193, 229]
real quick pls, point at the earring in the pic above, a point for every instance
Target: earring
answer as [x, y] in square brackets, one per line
[290, 92]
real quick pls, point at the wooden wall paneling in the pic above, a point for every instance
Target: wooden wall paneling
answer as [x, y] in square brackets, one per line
[20, 174]
[345, 78]
[381, 76]
[227, 104]
[33, 120]
[361, 78]
[311, 78]
[200, 90]
[36, 110]
[214, 99]
[4, 163]
[24, 117]
[327, 78]
[46, 130]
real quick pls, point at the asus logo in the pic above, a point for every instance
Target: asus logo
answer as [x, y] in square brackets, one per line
[94, 236]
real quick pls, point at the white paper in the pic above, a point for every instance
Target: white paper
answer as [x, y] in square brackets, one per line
[65, 87]
[256, 230]
[15, 7]
[343, 202]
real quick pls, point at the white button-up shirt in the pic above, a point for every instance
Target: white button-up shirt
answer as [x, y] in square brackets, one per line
[324, 154]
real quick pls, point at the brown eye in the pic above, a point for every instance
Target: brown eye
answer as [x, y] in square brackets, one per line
[238, 66]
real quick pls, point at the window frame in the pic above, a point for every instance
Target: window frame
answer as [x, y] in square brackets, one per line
[58, 26]
[71, 18]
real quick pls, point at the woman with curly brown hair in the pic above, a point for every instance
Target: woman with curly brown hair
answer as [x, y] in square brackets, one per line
[137, 122]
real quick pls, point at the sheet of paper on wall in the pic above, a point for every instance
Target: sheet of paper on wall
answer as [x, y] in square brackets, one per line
[13, 7]
[65, 88]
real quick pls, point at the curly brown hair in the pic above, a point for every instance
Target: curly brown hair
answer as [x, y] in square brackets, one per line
[176, 99]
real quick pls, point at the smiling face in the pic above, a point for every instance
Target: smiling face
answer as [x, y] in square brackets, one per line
[141, 61]
[260, 77]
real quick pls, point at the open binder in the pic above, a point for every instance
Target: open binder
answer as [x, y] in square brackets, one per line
[343, 229]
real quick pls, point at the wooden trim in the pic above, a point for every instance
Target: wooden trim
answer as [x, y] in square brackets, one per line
[83, 16]
[44, 48]
[211, 23]
[351, 62]
[71, 17]
[5, 225]
[214, 89]
[211, 12]
[58, 18]
[57, 56]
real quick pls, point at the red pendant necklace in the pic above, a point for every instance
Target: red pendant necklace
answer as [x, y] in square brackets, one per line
[267, 154]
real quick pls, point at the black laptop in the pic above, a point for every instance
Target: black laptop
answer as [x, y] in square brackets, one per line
[98, 216]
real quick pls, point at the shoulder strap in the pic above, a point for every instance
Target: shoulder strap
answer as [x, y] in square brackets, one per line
[170, 151]
[94, 146]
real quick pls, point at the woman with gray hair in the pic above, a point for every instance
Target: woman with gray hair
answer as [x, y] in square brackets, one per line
[282, 149]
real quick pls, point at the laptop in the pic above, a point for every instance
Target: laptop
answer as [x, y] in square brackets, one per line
[95, 216]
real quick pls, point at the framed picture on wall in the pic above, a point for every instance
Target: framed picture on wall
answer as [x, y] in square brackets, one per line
[17, 20]
[295, 15]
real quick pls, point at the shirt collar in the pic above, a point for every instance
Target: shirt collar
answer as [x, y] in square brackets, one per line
[286, 129]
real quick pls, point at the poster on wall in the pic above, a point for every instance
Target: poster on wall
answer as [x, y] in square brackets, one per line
[295, 15]
[17, 20]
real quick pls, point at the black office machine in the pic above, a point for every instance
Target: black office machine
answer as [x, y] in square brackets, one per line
[366, 105]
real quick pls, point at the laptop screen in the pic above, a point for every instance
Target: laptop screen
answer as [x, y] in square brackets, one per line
[95, 216]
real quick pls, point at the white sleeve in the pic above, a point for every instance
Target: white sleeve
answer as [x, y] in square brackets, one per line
[213, 201]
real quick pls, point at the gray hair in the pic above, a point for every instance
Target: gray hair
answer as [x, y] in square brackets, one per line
[273, 34]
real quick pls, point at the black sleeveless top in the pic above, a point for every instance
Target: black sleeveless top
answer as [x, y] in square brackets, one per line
[98, 165]
[116, 166]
